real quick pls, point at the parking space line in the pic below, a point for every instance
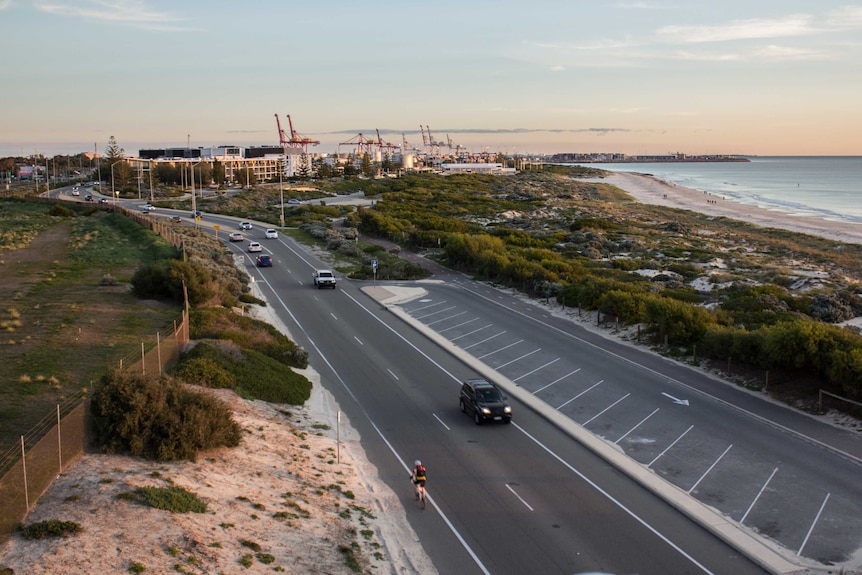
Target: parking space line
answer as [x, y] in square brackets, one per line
[471, 332]
[484, 340]
[427, 306]
[519, 358]
[501, 349]
[705, 473]
[757, 497]
[558, 380]
[445, 318]
[433, 313]
[459, 325]
[562, 405]
[639, 423]
[537, 369]
[666, 449]
[816, 519]
[606, 409]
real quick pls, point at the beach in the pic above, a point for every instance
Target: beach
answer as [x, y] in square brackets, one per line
[651, 190]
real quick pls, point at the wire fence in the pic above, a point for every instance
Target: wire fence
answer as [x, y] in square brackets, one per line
[28, 468]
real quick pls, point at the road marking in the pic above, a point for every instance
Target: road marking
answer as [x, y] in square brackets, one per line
[537, 369]
[757, 497]
[556, 381]
[636, 426]
[562, 405]
[705, 473]
[333, 316]
[484, 340]
[518, 358]
[472, 332]
[606, 409]
[675, 400]
[459, 325]
[441, 422]
[666, 449]
[359, 340]
[521, 499]
[816, 519]
[500, 349]
[433, 313]
[427, 306]
[445, 318]
[392, 374]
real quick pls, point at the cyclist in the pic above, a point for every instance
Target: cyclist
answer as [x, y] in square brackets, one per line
[418, 476]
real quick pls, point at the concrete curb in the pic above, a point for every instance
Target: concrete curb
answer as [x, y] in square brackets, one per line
[746, 542]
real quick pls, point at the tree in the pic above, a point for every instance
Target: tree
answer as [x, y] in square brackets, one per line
[324, 170]
[366, 167]
[303, 170]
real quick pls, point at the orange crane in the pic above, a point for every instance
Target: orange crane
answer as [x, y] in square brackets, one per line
[282, 138]
[297, 141]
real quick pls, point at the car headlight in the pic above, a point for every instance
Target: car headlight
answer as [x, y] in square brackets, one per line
[486, 411]
[507, 409]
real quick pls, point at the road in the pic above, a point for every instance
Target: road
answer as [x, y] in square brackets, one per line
[525, 497]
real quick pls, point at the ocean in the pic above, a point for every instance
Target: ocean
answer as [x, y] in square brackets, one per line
[826, 187]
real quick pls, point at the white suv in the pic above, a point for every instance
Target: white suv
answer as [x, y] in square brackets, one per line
[271, 234]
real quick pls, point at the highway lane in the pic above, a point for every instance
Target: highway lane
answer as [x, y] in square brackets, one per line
[516, 506]
[782, 484]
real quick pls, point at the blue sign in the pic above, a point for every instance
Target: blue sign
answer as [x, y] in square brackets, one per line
[374, 264]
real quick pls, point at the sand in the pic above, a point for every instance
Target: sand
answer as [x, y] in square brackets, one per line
[651, 190]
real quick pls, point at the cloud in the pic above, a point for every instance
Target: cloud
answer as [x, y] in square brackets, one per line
[5, 4]
[131, 12]
[599, 131]
[845, 17]
[793, 25]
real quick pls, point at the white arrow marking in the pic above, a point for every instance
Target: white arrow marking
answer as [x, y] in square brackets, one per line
[676, 400]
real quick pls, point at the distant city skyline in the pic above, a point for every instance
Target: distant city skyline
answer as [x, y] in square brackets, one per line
[763, 77]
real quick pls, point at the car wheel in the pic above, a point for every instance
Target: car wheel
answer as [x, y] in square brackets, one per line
[476, 419]
[463, 408]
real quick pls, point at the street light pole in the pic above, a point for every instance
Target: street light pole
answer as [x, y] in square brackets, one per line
[194, 205]
[281, 184]
[116, 195]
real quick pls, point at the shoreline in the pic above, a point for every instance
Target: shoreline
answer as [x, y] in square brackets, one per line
[649, 189]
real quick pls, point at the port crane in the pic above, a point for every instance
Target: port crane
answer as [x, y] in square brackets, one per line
[294, 140]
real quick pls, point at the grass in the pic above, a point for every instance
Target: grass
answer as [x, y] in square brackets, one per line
[173, 499]
[60, 328]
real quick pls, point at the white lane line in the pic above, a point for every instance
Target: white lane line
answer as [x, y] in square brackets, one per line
[472, 332]
[518, 358]
[666, 449]
[816, 519]
[562, 405]
[636, 426]
[484, 340]
[557, 381]
[333, 316]
[757, 497]
[521, 499]
[412, 311]
[441, 422]
[615, 501]
[392, 374]
[500, 349]
[705, 473]
[445, 318]
[605, 409]
[359, 340]
[459, 325]
[420, 318]
[537, 369]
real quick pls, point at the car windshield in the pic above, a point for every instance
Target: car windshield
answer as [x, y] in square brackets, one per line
[489, 394]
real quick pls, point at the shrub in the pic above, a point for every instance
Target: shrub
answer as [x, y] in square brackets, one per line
[158, 418]
[173, 499]
[51, 528]
[61, 211]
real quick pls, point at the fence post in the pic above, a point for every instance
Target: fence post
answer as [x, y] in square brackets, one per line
[159, 351]
[59, 441]
[143, 360]
[24, 468]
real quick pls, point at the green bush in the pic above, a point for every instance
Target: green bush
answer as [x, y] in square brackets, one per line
[51, 528]
[61, 211]
[158, 418]
[173, 499]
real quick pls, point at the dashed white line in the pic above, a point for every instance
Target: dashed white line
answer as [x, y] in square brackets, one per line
[359, 340]
[521, 499]
[392, 374]
[441, 422]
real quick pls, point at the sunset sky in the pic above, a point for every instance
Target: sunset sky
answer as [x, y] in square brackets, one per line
[762, 77]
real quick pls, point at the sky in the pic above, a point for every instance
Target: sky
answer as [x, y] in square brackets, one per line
[759, 77]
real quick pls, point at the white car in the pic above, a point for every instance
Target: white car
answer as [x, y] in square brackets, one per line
[254, 247]
[75, 192]
[235, 237]
[245, 226]
[271, 234]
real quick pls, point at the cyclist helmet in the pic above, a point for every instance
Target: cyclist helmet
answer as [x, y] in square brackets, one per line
[417, 463]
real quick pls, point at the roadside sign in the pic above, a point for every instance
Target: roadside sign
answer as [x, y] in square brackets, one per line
[374, 264]
[216, 227]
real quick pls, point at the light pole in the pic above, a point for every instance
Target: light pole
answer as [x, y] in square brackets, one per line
[281, 184]
[194, 205]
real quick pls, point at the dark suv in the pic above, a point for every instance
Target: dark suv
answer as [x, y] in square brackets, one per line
[484, 401]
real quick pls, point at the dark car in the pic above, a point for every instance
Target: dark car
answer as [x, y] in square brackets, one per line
[264, 261]
[484, 401]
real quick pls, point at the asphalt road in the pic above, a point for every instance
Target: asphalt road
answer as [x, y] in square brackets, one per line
[523, 498]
